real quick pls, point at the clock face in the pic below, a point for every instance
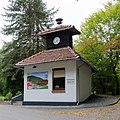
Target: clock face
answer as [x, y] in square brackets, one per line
[56, 40]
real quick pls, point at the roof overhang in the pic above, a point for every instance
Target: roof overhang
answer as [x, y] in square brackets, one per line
[72, 30]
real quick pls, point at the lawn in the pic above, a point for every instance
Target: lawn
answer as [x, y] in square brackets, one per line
[2, 98]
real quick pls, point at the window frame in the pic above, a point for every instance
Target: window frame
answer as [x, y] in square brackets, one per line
[58, 90]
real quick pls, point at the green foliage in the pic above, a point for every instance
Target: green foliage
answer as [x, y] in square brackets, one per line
[8, 96]
[100, 44]
[26, 18]
[2, 98]
[18, 93]
[2, 84]
[13, 85]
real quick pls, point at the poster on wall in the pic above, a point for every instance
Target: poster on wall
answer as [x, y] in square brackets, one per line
[37, 80]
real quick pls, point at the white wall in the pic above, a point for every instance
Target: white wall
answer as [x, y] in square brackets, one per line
[46, 95]
[84, 77]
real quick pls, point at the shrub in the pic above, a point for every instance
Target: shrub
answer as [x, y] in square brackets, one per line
[2, 98]
[8, 96]
[18, 93]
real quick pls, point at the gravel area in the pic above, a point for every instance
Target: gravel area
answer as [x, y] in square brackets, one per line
[111, 112]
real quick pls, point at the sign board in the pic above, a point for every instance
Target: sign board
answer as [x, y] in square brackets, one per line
[70, 81]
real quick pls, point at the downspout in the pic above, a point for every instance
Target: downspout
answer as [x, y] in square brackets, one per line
[79, 84]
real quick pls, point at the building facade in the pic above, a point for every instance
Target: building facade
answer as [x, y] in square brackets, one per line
[58, 75]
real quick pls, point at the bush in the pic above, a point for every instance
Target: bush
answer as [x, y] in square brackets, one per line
[18, 93]
[2, 98]
[8, 96]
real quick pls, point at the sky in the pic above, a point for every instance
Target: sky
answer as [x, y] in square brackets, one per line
[71, 11]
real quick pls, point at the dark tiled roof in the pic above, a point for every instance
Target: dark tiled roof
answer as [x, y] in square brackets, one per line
[60, 28]
[49, 56]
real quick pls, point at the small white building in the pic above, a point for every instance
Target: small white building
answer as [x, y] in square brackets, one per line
[58, 75]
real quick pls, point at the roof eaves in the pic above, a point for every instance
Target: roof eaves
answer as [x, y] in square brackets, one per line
[24, 64]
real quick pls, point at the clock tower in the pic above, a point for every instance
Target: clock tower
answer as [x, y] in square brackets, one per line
[60, 36]
[58, 75]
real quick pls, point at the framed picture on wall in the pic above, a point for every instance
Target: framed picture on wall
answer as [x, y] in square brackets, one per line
[37, 80]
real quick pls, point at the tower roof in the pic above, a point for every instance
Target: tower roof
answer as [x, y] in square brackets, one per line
[70, 28]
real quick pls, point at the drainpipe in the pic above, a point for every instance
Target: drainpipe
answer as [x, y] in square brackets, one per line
[79, 84]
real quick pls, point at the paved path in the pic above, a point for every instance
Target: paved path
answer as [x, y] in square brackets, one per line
[10, 112]
[96, 101]
[97, 111]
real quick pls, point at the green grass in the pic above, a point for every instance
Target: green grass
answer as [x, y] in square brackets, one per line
[2, 98]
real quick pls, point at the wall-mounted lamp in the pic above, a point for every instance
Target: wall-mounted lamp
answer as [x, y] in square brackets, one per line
[34, 66]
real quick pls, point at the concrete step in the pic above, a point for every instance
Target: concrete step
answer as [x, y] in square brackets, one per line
[18, 103]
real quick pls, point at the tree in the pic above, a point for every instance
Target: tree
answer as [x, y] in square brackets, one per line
[26, 18]
[100, 44]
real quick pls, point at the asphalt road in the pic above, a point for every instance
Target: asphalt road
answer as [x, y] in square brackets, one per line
[13, 112]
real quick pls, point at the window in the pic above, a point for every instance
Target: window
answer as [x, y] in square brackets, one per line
[58, 80]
